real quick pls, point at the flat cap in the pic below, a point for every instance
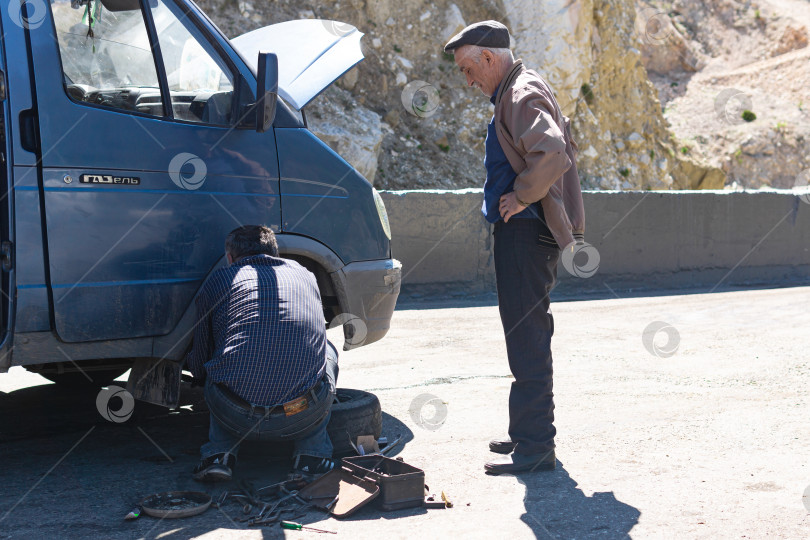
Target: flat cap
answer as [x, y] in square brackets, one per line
[484, 34]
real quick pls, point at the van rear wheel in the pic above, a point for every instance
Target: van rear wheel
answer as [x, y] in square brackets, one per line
[87, 373]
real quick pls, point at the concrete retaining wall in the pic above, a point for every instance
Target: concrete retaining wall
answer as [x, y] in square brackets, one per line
[645, 240]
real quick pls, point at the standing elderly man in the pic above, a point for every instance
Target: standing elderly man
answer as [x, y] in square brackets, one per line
[260, 345]
[532, 195]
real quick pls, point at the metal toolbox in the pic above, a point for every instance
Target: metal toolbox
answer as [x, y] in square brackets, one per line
[401, 485]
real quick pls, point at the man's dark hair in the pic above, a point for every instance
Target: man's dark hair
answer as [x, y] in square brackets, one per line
[251, 240]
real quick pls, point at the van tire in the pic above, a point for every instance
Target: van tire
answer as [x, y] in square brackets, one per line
[354, 413]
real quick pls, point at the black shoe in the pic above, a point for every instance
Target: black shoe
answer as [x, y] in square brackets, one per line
[216, 468]
[514, 463]
[312, 466]
[501, 446]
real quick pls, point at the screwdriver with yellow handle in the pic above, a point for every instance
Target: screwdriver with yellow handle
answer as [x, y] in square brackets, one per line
[293, 526]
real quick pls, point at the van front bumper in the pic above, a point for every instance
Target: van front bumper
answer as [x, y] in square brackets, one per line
[367, 292]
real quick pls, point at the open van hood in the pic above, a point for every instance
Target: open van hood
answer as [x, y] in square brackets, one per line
[312, 54]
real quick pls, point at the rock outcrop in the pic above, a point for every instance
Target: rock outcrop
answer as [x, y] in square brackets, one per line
[353, 132]
[753, 57]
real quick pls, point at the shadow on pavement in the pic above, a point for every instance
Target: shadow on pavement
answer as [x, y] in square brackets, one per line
[48, 409]
[393, 428]
[60, 453]
[556, 508]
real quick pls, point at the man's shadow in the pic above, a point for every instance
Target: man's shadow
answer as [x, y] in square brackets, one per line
[556, 508]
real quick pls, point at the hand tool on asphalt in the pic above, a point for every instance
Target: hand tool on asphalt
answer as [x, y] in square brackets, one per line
[294, 526]
[294, 480]
[221, 499]
[446, 500]
[294, 511]
[247, 489]
[433, 502]
[134, 514]
[391, 446]
[356, 450]
[290, 495]
[273, 488]
[329, 506]
[295, 495]
[267, 519]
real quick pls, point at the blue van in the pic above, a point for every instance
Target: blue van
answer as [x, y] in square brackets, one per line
[135, 136]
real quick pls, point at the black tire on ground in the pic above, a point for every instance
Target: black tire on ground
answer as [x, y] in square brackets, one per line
[354, 413]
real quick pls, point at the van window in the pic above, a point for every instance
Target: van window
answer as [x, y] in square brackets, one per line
[200, 83]
[109, 63]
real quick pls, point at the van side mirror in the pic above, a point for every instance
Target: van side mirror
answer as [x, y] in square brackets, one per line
[267, 91]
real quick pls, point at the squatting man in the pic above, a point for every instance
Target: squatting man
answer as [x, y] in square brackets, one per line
[260, 346]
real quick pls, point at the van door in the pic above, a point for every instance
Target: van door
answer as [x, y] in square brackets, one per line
[6, 240]
[145, 166]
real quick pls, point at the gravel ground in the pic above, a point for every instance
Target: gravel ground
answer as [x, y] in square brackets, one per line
[701, 433]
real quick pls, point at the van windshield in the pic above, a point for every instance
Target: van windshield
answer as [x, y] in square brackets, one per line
[115, 53]
[103, 52]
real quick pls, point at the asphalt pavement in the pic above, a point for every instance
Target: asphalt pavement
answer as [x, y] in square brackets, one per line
[678, 417]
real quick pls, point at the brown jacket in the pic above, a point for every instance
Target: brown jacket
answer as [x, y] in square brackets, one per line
[536, 138]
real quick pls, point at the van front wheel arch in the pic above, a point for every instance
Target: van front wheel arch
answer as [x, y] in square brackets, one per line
[329, 298]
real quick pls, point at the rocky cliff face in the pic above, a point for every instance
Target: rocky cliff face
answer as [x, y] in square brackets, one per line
[712, 61]
[406, 119]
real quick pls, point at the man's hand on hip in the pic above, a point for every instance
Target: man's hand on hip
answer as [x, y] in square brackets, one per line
[509, 206]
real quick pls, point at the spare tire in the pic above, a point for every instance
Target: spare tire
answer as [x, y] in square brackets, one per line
[354, 413]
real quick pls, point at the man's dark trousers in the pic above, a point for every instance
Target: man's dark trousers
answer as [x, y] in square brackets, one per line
[526, 271]
[235, 421]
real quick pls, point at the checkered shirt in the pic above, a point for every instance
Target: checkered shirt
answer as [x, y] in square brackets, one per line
[260, 330]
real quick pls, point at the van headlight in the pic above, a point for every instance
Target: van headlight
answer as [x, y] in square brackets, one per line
[378, 202]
